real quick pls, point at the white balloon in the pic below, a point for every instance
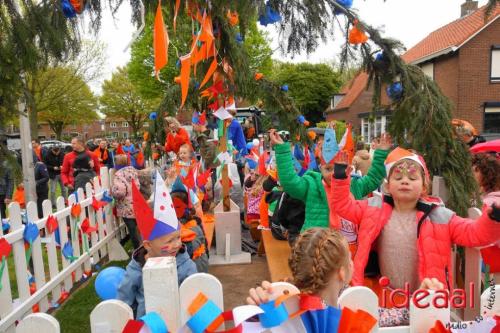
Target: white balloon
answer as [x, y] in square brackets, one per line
[255, 142]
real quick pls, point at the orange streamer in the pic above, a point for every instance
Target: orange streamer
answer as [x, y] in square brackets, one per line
[176, 11]
[160, 41]
[185, 73]
[209, 73]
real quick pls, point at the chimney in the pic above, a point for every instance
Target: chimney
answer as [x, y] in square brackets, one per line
[468, 7]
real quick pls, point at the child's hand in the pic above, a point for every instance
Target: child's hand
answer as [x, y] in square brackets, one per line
[275, 138]
[385, 142]
[260, 294]
[432, 284]
[341, 166]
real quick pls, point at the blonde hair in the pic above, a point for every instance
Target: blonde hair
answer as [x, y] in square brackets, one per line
[172, 120]
[316, 255]
[121, 159]
[257, 186]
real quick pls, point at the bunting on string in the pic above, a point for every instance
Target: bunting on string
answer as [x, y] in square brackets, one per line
[160, 41]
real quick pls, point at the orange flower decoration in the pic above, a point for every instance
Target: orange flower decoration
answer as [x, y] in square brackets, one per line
[233, 18]
[146, 136]
[356, 35]
[258, 76]
[76, 209]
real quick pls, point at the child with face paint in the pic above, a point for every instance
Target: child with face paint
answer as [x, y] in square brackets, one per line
[413, 232]
[192, 233]
[161, 234]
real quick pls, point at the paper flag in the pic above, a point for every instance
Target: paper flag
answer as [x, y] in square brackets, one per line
[133, 326]
[224, 157]
[106, 197]
[154, 322]
[30, 233]
[51, 224]
[76, 209]
[185, 73]
[5, 248]
[222, 113]
[330, 147]
[97, 204]
[160, 41]
[86, 228]
[67, 252]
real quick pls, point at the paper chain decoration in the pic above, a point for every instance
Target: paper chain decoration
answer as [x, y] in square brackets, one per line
[313, 316]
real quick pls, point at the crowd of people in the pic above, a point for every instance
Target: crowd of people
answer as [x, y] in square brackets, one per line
[319, 198]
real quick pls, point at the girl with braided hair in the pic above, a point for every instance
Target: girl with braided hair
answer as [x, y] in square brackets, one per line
[321, 266]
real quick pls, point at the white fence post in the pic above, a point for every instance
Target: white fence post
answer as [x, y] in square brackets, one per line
[91, 216]
[84, 237]
[110, 316]
[161, 290]
[75, 242]
[207, 284]
[99, 217]
[63, 238]
[356, 298]
[39, 323]
[6, 293]
[36, 255]
[51, 250]
[20, 264]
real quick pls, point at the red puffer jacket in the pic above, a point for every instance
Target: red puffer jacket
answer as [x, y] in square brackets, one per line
[67, 167]
[438, 228]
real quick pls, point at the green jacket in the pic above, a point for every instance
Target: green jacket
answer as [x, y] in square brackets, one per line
[310, 189]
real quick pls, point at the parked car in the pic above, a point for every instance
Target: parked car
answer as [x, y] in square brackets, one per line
[47, 144]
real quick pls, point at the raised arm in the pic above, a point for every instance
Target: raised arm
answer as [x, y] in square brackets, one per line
[292, 184]
[472, 233]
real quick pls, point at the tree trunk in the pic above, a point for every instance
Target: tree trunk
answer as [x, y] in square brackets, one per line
[33, 118]
[57, 127]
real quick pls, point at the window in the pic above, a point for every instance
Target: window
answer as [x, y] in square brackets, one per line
[492, 117]
[115, 134]
[125, 135]
[428, 69]
[373, 129]
[495, 64]
[112, 125]
[124, 124]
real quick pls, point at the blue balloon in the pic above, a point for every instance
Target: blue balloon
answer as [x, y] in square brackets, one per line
[284, 87]
[301, 119]
[152, 116]
[68, 9]
[379, 56]
[395, 91]
[345, 3]
[239, 38]
[107, 282]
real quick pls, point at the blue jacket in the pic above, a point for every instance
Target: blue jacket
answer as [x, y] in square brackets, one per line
[235, 133]
[131, 289]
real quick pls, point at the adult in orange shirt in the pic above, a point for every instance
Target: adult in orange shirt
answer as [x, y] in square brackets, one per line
[176, 135]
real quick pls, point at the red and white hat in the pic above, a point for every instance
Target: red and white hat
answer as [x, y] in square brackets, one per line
[399, 154]
[160, 221]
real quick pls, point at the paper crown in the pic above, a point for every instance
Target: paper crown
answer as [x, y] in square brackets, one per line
[399, 154]
[160, 221]
[330, 147]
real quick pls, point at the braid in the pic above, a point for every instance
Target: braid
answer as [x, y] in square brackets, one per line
[316, 255]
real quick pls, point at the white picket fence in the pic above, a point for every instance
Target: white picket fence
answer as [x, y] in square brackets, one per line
[100, 243]
[164, 297]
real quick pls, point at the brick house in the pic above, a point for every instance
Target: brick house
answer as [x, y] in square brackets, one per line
[463, 57]
[108, 127]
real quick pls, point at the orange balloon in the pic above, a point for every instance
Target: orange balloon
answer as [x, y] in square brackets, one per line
[233, 18]
[312, 135]
[177, 79]
[258, 76]
[306, 123]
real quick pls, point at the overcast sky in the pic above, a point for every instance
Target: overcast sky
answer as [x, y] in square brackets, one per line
[406, 20]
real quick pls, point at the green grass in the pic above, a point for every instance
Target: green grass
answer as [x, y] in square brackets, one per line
[74, 314]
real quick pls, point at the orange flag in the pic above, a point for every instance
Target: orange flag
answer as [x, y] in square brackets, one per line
[185, 73]
[347, 143]
[209, 73]
[176, 11]
[160, 41]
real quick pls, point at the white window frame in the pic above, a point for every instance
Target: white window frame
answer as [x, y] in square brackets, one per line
[370, 131]
[124, 123]
[112, 125]
[495, 64]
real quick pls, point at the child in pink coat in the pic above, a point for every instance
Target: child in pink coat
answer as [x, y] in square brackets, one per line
[413, 233]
